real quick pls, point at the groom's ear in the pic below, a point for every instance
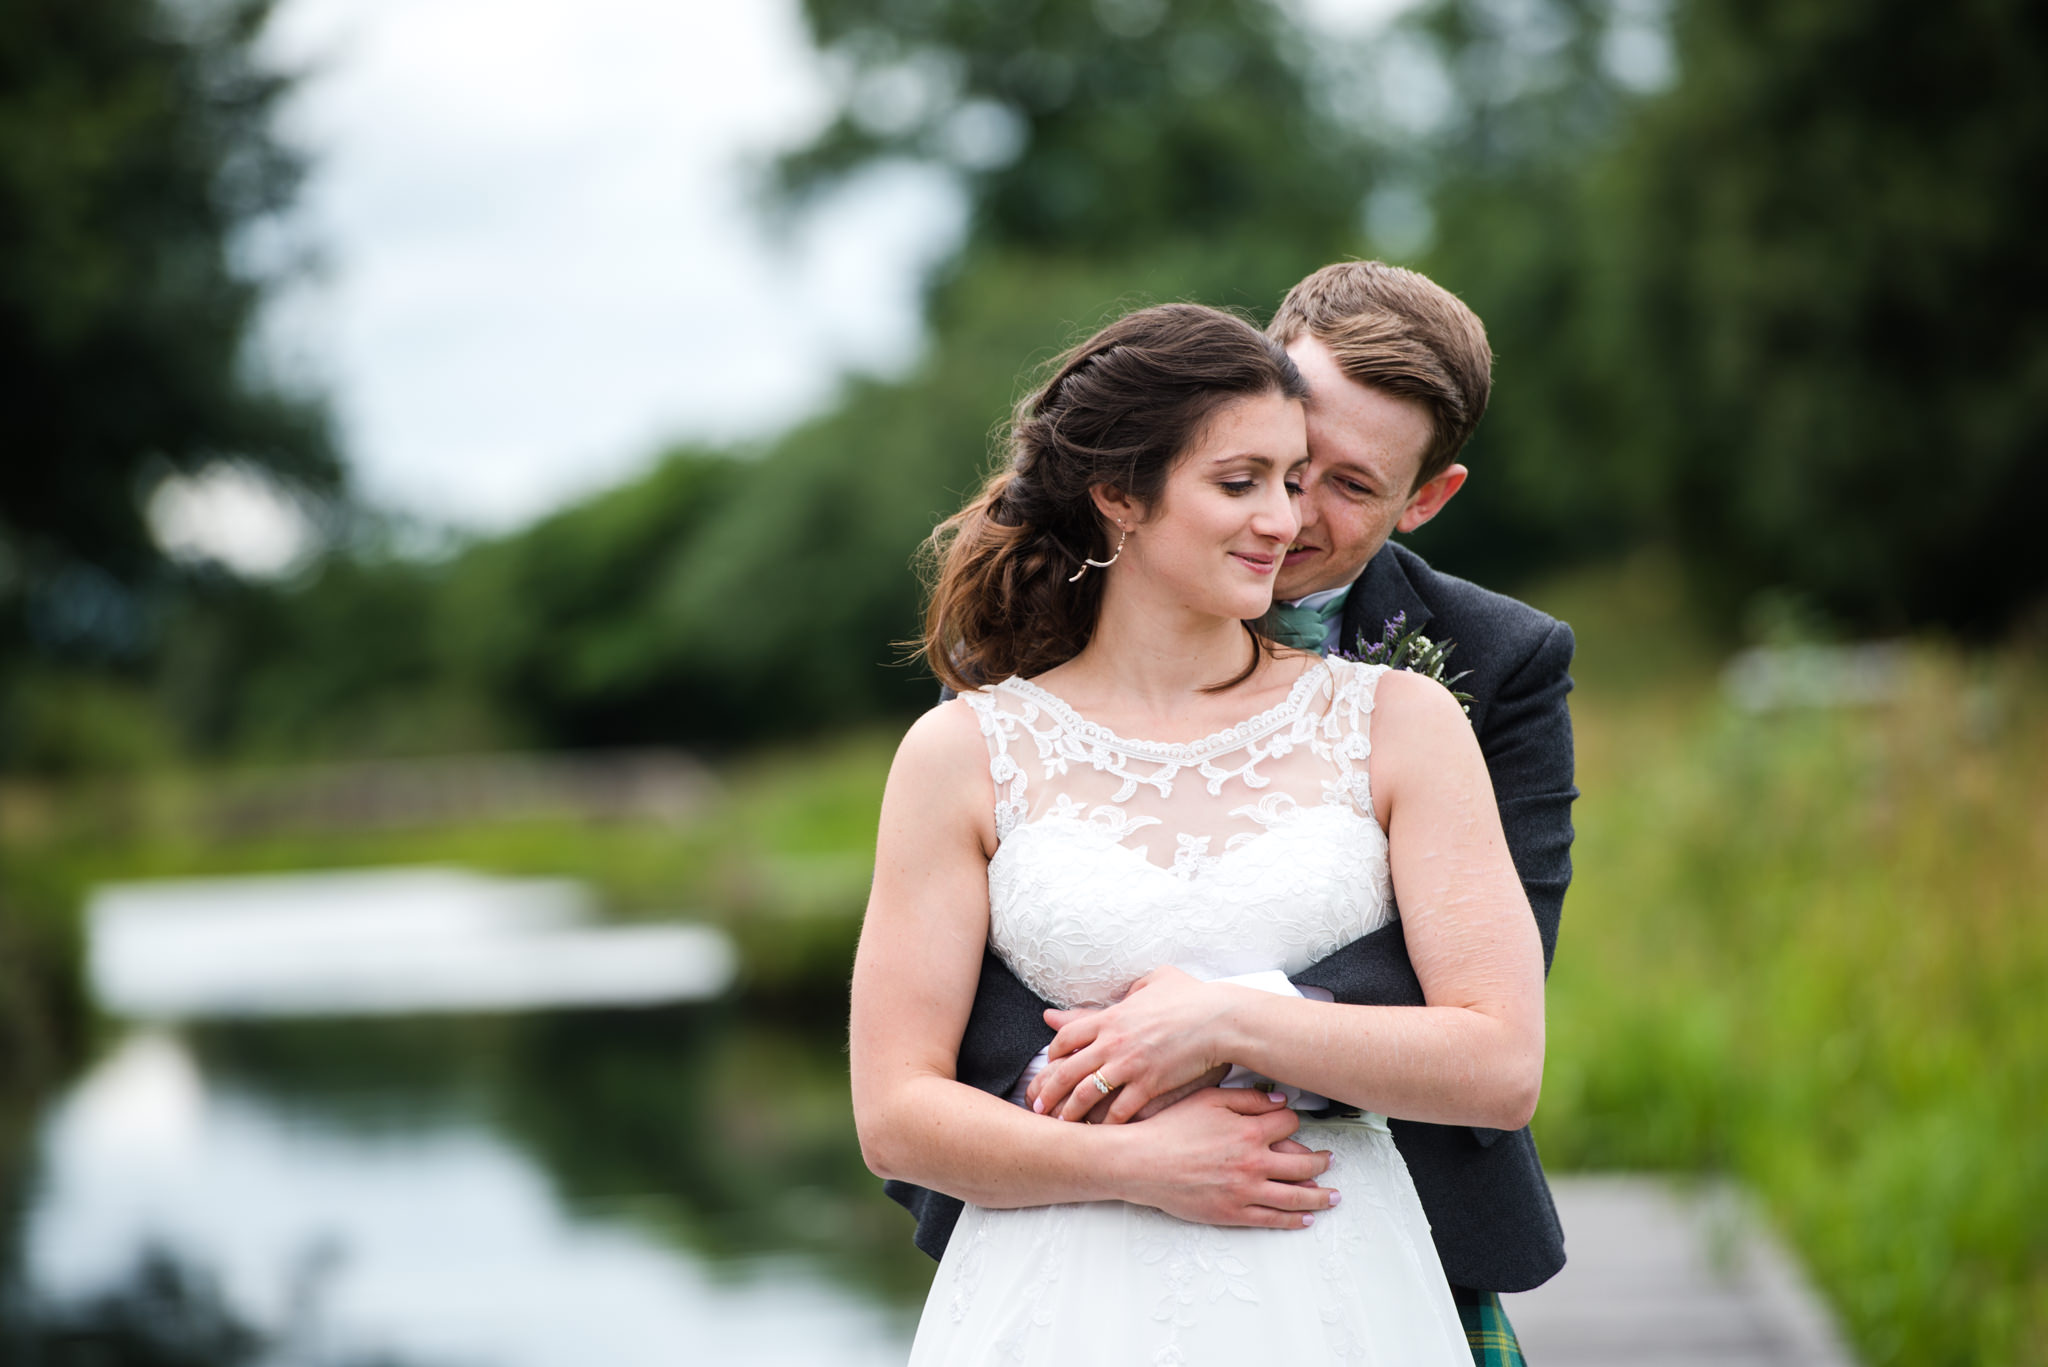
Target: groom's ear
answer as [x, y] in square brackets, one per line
[1426, 502]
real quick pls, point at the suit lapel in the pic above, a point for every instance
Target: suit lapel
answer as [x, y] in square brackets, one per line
[1382, 593]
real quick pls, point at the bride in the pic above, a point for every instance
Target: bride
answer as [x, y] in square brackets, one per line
[1152, 815]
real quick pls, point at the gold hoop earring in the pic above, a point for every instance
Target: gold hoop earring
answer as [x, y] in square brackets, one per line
[1103, 564]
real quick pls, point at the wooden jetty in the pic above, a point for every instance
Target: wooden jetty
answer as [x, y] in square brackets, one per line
[1662, 1274]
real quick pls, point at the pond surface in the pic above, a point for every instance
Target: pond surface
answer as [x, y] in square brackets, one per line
[550, 1188]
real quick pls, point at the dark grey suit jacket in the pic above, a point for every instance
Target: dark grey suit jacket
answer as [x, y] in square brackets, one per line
[1489, 1207]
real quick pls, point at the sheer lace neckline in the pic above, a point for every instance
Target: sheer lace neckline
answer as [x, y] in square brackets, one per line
[1216, 743]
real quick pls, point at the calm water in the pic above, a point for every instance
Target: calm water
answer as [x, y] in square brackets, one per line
[541, 1189]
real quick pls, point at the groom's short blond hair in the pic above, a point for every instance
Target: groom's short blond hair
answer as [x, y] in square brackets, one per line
[1402, 333]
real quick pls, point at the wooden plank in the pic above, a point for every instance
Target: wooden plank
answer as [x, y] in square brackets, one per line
[1668, 1275]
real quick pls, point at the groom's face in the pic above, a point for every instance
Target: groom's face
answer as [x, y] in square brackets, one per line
[1365, 448]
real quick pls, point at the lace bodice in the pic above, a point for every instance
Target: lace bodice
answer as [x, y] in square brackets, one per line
[1252, 849]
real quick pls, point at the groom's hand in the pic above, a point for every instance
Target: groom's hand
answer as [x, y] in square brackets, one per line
[1224, 1157]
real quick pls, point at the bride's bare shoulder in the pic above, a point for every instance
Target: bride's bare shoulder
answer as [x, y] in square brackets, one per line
[940, 784]
[1412, 694]
[1415, 717]
[943, 749]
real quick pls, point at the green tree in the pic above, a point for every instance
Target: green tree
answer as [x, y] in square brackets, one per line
[1781, 309]
[1094, 128]
[1114, 154]
[136, 152]
[1531, 104]
[1832, 281]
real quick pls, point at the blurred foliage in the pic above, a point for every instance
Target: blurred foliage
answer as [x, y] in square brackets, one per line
[1772, 299]
[1831, 275]
[1093, 129]
[1759, 277]
[728, 597]
[137, 165]
[165, 1312]
[780, 857]
[1501, 165]
[724, 599]
[1806, 948]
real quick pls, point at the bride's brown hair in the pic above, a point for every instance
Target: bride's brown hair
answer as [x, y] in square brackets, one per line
[1118, 411]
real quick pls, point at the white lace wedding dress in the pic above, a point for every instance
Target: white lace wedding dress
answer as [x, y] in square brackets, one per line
[1252, 850]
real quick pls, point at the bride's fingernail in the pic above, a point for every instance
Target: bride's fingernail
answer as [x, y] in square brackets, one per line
[1039, 1106]
[1335, 1197]
[1307, 1220]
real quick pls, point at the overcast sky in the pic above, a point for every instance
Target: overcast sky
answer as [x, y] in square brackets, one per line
[540, 261]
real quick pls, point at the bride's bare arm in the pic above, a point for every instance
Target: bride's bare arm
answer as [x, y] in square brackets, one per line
[1209, 1159]
[1472, 1056]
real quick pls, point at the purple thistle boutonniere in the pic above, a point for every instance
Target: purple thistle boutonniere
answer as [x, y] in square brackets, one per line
[1400, 648]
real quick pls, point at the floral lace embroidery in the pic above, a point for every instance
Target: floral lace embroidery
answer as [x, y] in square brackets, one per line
[1199, 1266]
[1277, 871]
[1069, 738]
[1007, 773]
[1269, 811]
[1191, 855]
[1250, 879]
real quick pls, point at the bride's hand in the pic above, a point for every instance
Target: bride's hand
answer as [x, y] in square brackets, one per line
[1100, 1111]
[1155, 1043]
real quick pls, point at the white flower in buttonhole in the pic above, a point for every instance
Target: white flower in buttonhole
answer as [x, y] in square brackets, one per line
[1400, 648]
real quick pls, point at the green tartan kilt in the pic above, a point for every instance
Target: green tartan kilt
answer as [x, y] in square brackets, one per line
[1487, 1329]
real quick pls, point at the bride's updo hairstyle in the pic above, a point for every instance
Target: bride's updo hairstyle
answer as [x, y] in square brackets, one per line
[1119, 410]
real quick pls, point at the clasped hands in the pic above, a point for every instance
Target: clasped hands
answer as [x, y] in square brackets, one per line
[1162, 1042]
[1225, 1156]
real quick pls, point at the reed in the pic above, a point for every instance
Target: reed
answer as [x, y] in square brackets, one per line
[1810, 949]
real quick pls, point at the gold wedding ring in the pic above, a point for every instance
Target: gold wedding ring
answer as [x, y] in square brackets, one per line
[1100, 1085]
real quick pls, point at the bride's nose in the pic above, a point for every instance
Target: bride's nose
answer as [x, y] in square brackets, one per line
[1277, 517]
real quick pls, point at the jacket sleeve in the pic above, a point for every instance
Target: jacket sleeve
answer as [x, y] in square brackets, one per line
[1527, 741]
[1005, 1029]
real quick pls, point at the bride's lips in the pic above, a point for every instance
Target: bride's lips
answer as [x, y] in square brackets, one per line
[1257, 564]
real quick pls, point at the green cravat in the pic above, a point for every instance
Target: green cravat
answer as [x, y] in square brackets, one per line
[1302, 628]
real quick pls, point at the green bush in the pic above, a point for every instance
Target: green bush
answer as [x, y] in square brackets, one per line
[1808, 949]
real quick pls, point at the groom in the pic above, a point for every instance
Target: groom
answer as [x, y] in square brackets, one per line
[1398, 372]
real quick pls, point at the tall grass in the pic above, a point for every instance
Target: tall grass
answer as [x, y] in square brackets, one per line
[1810, 949]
